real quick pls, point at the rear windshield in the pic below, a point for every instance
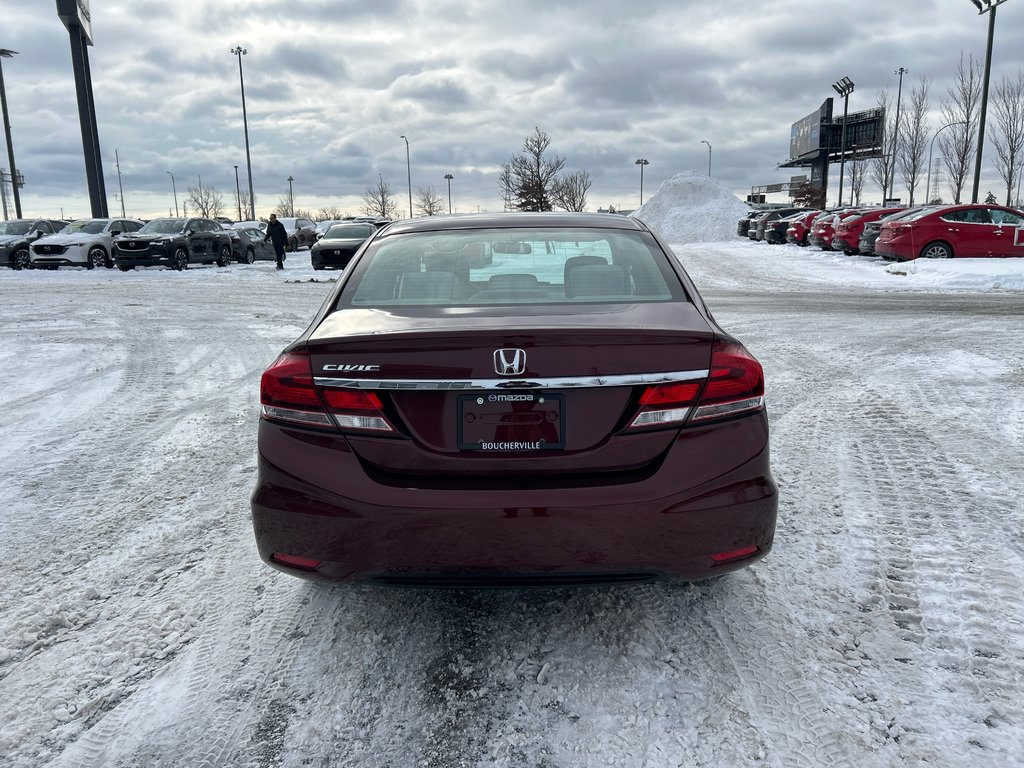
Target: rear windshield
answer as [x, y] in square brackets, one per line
[512, 267]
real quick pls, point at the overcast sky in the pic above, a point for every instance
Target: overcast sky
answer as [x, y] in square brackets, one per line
[331, 85]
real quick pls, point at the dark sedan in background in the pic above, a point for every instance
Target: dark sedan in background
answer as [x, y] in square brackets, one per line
[174, 243]
[565, 412]
[339, 244]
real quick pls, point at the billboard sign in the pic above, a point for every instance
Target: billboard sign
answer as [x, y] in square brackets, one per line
[75, 13]
[805, 136]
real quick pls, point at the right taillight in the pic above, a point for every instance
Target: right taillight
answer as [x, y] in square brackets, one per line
[735, 386]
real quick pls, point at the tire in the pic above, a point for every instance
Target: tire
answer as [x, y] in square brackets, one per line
[179, 261]
[97, 258]
[125, 267]
[936, 250]
[21, 259]
[225, 256]
[250, 255]
[849, 252]
[317, 266]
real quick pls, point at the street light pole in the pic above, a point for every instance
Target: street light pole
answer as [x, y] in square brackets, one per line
[641, 162]
[6, 54]
[408, 171]
[844, 88]
[989, 8]
[291, 198]
[175, 191]
[238, 194]
[702, 141]
[896, 133]
[239, 52]
[120, 188]
[449, 178]
[928, 186]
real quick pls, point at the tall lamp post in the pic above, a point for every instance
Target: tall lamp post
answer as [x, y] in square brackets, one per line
[448, 177]
[117, 164]
[291, 198]
[702, 141]
[988, 7]
[641, 162]
[928, 186]
[238, 194]
[896, 133]
[6, 54]
[408, 173]
[844, 88]
[175, 191]
[239, 51]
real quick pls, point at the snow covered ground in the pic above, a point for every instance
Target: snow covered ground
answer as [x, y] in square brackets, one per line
[139, 628]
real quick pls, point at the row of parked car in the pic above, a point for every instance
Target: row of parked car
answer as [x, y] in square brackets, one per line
[977, 230]
[174, 242]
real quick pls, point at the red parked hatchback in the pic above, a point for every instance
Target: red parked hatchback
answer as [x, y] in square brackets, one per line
[953, 231]
[513, 400]
[846, 233]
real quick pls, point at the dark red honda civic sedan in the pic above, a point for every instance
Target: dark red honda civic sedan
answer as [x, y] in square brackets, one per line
[513, 400]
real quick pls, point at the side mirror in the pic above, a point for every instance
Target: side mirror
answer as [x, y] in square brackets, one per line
[115, 232]
[35, 234]
[189, 232]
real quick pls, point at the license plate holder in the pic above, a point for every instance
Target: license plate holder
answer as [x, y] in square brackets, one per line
[516, 422]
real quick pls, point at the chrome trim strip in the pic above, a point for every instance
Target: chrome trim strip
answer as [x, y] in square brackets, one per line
[566, 382]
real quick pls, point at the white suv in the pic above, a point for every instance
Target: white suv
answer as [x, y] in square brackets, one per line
[82, 243]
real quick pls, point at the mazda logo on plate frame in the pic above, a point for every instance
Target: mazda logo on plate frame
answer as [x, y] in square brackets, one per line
[509, 361]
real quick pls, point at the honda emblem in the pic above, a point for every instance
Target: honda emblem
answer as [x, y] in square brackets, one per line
[509, 362]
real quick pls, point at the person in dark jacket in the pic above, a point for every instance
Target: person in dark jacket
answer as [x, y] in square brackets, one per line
[278, 235]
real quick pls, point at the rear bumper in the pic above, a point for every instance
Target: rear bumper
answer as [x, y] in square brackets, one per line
[713, 493]
[888, 250]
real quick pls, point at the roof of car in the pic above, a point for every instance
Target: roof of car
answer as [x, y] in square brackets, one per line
[523, 219]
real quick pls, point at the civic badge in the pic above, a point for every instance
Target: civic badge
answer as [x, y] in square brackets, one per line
[509, 362]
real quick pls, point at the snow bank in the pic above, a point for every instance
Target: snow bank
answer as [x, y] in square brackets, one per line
[692, 208]
[964, 274]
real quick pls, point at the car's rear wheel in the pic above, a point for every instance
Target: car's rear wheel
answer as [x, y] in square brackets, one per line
[250, 255]
[97, 258]
[936, 251]
[225, 256]
[179, 260]
[21, 259]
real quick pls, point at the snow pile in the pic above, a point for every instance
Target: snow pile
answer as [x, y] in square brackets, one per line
[692, 208]
[963, 274]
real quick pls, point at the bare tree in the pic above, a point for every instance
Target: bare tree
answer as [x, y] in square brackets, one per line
[882, 167]
[330, 213]
[378, 200]
[570, 191]
[428, 202]
[242, 201]
[858, 172]
[533, 175]
[961, 108]
[914, 138]
[206, 200]
[1008, 138]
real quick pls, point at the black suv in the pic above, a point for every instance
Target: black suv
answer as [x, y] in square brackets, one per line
[17, 235]
[174, 243]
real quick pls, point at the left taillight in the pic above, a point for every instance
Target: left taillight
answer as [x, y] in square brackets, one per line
[735, 386]
[289, 394]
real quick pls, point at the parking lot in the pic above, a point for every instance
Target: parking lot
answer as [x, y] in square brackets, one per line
[139, 627]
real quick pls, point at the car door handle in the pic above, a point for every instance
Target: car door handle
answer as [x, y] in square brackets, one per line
[997, 232]
[953, 229]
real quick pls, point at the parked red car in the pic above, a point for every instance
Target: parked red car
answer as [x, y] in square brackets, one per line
[846, 233]
[569, 412]
[976, 230]
[800, 227]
